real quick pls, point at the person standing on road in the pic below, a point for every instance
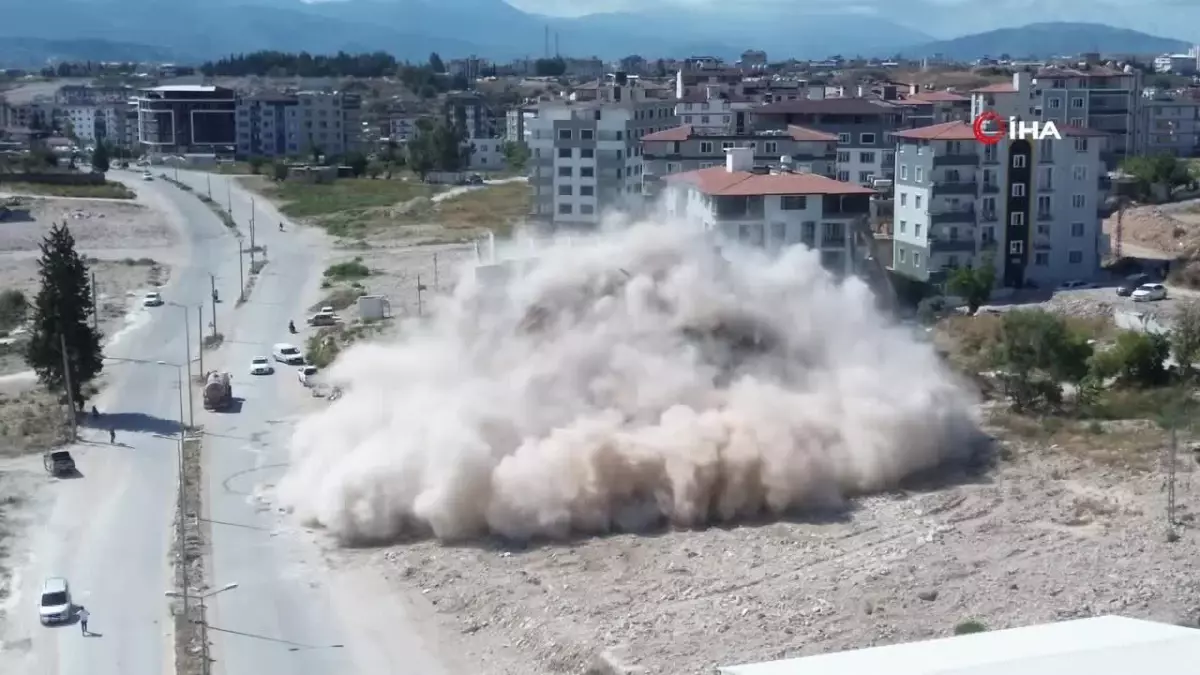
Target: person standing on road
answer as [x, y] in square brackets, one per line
[112, 435]
[83, 619]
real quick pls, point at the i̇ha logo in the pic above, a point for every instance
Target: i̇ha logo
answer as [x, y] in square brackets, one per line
[989, 128]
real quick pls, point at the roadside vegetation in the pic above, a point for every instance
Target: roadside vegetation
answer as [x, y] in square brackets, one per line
[109, 190]
[347, 271]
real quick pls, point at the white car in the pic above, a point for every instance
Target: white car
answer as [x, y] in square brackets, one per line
[146, 175]
[152, 299]
[54, 605]
[259, 365]
[289, 354]
[306, 374]
[1147, 292]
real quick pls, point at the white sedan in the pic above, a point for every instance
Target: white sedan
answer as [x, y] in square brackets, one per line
[1147, 292]
[152, 300]
[306, 374]
[146, 175]
[260, 365]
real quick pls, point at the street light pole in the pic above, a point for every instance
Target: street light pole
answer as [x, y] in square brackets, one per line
[203, 616]
[187, 359]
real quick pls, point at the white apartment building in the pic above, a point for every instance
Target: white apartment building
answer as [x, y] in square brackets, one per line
[286, 124]
[1031, 207]
[401, 128]
[1170, 126]
[776, 209]
[586, 157]
[712, 110]
[1180, 64]
[1097, 98]
[87, 122]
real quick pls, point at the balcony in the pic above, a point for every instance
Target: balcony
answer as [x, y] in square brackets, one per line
[993, 158]
[952, 187]
[1044, 217]
[988, 245]
[956, 160]
[965, 216]
[990, 188]
[939, 245]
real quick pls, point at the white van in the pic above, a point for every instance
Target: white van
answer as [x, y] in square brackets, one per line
[55, 603]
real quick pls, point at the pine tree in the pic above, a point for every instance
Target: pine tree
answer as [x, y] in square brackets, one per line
[100, 157]
[61, 310]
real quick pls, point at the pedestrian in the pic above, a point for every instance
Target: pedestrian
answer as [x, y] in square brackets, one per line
[83, 618]
[112, 435]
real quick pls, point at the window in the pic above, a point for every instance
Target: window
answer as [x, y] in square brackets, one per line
[1016, 219]
[770, 147]
[706, 147]
[843, 176]
[1018, 189]
[1016, 247]
[586, 134]
[1019, 161]
[564, 134]
[1076, 122]
[865, 177]
[902, 255]
[587, 209]
[586, 153]
[920, 174]
[1043, 204]
[903, 199]
[725, 145]
[564, 153]
[917, 230]
[587, 172]
[704, 119]
[866, 139]
[565, 172]
[1081, 145]
[564, 209]
[1041, 259]
[844, 139]
[1079, 172]
[903, 226]
[778, 230]
[903, 175]
[917, 201]
[793, 202]
[1078, 201]
[620, 134]
[1076, 102]
[843, 157]
[564, 190]
[1076, 229]
[808, 232]
[866, 157]
[916, 259]
[1055, 103]
[1075, 257]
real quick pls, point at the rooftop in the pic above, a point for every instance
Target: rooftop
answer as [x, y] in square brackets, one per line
[998, 88]
[1105, 645]
[719, 181]
[1096, 71]
[828, 106]
[963, 131]
[937, 97]
[687, 131]
[184, 88]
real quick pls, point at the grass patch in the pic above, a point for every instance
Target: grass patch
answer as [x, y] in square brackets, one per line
[495, 207]
[351, 269]
[967, 340]
[322, 348]
[31, 421]
[340, 299]
[214, 340]
[308, 200]
[109, 190]
[968, 627]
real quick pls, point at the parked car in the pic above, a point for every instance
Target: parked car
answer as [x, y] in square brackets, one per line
[55, 603]
[1131, 284]
[306, 374]
[1147, 292]
[288, 354]
[259, 365]
[146, 175]
[152, 299]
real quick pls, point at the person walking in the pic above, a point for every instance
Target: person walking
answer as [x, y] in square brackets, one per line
[83, 619]
[112, 435]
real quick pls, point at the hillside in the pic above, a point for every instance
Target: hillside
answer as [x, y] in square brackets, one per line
[26, 52]
[1041, 40]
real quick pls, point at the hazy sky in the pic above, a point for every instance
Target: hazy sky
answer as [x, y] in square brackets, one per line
[1178, 19]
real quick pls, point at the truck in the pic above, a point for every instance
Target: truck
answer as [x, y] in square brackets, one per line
[218, 390]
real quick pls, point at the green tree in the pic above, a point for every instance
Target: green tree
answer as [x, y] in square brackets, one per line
[435, 63]
[1137, 360]
[315, 153]
[974, 285]
[516, 155]
[375, 169]
[101, 157]
[1156, 172]
[61, 312]
[1185, 337]
[1035, 353]
[256, 164]
[357, 163]
[13, 309]
[279, 171]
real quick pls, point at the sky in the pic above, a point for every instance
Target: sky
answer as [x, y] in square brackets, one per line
[1178, 19]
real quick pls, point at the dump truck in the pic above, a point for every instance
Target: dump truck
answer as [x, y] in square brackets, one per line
[218, 391]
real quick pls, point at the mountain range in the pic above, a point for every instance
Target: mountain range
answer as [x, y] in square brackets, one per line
[160, 30]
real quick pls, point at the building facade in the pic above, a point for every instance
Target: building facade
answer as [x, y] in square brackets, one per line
[862, 128]
[278, 125]
[687, 148]
[1031, 208]
[1169, 126]
[775, 210]
[181, 119]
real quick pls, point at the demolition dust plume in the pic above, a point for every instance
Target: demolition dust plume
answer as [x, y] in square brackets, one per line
[621, 382]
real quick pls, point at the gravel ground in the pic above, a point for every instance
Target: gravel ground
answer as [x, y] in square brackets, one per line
[1044, 537]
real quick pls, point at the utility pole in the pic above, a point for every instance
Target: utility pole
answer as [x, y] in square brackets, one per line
[252, 233]
[1172, 450]
[95, 304]
[187, 358]
[179, 529]
[435, 273]
[62, 341]
[208, 181]
[212, 280]
[229, 198]
[200, 336]
[241, 274]
[420, 287]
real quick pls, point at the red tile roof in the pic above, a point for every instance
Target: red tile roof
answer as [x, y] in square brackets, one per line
[686, 131]
[718, 181]
[1000, 88]
[799, 133]
[963, 131]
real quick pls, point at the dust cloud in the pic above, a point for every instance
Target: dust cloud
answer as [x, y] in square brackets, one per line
[623, 381]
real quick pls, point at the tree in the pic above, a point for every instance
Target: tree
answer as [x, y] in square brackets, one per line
[375, 169]
[61, 313]
[516, 155]
[1156, 173]
[279, 171]
[436, 146]
[100, 157]
[357, 163]
[1185, 337]
[973, 284]
[315, 153]
[1037, 352]
[256, 164]
[435, 63]
[1137, 359]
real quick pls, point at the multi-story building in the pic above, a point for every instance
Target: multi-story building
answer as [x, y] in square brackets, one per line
[1169, 126]
[687, 148]
[776, 209]
[87, 122]
[712, 110]
[470, 112]
[1031, 207]
[586, 156]
[927, 108]
[187, 118]
[516, 123]
[862, 128]
[699, 74]
[275, 125]
[1180, 64]
[1097, 98]
[402, 127]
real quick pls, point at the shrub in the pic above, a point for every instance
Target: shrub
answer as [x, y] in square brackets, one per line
[352, 269]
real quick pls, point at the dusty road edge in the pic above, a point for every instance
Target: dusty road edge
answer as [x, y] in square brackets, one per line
[191, 639]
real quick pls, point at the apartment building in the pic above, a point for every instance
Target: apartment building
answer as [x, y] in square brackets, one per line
[401, 128]
[775, 209]
[1097, 98]
[180, 119]
[688, 148]
[697, 76]
[1169, 126]
[87, 122]
[716, 111]
[1031, 207]
[516, 123]
[586, 157]
[1179, 64]
[283, 124]
[862, 128]
[926, 108]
